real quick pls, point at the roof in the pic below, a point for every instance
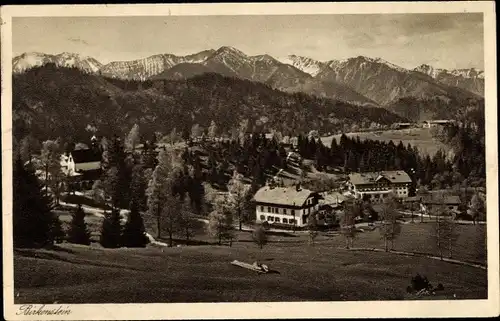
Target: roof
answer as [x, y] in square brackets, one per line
[439, 121]
[86, 156]
[333, 198]
[373, 177]
[283, 195]
[448, 200]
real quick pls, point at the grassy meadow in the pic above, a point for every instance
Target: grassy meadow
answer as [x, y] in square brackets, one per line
[420, 137]
[203, 273]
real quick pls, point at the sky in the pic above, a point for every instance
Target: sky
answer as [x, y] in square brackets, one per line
[448, 41]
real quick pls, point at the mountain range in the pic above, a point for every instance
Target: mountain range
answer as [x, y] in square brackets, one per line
[359, 80]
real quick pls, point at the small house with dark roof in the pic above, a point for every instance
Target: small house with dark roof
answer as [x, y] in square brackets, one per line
[285, 205]
[376, 185]
[83, 166]
[433, 202]
[82, 160]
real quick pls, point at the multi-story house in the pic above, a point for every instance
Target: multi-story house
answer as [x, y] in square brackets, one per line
[83, 166]
[376, 185]
[285, 205]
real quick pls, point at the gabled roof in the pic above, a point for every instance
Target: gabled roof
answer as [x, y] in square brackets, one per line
[85, 156]
[448, 200]
[283, 195]
[373, 177]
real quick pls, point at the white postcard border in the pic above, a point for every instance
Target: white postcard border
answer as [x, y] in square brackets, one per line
[372, 309]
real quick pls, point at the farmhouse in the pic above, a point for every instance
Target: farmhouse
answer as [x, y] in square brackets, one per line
[436, 203]
[376, 185]
[436, 123]
[83, 165]
[285, 205]
[402, 125]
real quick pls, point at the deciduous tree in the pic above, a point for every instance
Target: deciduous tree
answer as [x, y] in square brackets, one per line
[239, 197]
[220, 222]
[259, 236]
[390, 228]
[162, 203]
[312, 228]
[348, 223]
[133, 138]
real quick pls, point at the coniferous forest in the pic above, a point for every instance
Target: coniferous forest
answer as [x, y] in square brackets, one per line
[52, 101]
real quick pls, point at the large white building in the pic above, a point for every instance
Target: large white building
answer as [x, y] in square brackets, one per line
[285, 205]
[376, 185]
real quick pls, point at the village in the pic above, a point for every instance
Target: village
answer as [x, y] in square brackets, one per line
[295, 208]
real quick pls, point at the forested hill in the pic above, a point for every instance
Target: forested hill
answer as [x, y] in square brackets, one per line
[51, 101]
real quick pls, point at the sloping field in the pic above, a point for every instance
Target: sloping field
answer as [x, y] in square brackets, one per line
[324, 272]
[420, 137]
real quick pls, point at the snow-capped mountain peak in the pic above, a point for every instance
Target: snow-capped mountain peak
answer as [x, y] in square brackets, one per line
[64, 59]
[305, 64]
[470, 73]
[227, 50]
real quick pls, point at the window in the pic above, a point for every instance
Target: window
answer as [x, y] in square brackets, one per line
[285, 221]
[270, 218]
[277, 219]
[262, 217]
[269, 209]
[293, 212]
[451, 207]
[262, 208]
[284, 212]
[292, 221]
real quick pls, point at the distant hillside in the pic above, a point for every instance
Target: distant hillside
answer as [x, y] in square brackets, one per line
[358, 80]
[52, 101]
[420, 109]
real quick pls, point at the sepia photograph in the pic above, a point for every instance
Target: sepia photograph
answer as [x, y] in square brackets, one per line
[242, 154]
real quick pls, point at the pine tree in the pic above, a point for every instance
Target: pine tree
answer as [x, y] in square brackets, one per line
[33, 220]
[78, 232]
[134, 233]
[138, 187]
[117, 177]
[111, 229]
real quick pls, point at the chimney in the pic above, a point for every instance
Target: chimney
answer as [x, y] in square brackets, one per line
[297, 187]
